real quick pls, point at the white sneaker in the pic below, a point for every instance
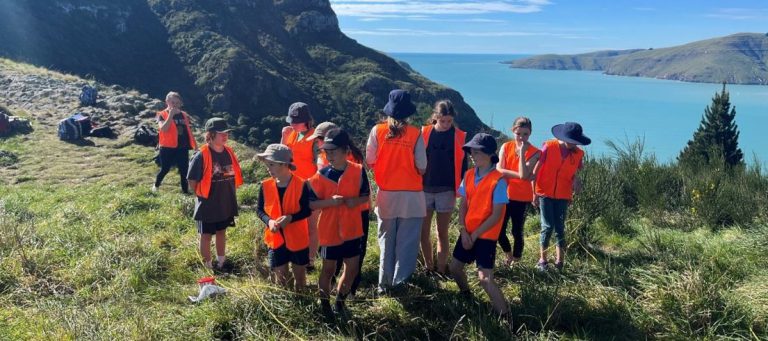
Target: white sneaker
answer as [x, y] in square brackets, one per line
[154, 189]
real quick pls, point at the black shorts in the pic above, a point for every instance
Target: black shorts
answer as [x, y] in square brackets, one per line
[212, 228]
[483, 252]
[348, 249]
[281, 256]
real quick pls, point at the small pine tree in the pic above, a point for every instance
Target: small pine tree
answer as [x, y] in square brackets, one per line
[717, 133]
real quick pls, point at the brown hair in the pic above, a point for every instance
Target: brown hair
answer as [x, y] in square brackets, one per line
[209, 136]
[442, 108]
[522, 122]
[396, 127]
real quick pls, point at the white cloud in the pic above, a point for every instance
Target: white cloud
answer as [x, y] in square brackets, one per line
[740, 14]
[369, 8]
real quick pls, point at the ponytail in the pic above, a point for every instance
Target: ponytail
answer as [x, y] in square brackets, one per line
[396, 127]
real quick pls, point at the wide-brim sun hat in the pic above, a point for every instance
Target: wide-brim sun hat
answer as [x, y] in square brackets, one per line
[399, 105]
[278, 153]
[571, 132]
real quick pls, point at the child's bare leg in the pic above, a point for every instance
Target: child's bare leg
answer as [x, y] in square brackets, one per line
[299, 276]
[349, 274]
[489, 285]
[443, 222]
[457, 270]
[221, 246]
[426, 241]
[281, 274]
[205, 248]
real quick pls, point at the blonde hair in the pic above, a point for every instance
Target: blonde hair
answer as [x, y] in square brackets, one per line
[396, 127]
[173, 94]
[522, 122]
[442, 108]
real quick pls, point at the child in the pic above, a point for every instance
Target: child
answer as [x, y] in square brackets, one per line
[175, 141]
[320, 131]
[396, 153]
[484, 196]
[215, 174]
[339, 192]
[555, 173]
[283, 206]
[518, 157]
[445, 166]
[305, 152]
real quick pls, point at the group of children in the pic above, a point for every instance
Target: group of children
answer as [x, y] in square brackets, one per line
[317, 198]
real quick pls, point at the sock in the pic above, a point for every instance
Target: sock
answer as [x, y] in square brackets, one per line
[220, 259]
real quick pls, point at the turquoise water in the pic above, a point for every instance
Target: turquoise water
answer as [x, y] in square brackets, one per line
[664, 113]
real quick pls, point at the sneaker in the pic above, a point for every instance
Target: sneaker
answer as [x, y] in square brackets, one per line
[340, 307]
[208, 265]
[154, 189]
[542, 266]
[325, 308]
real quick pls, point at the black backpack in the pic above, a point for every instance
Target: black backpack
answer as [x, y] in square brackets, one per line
[88, 96]
[74, 127]
[145, 135]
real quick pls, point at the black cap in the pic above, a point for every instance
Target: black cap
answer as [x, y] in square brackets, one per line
[571, 132]
[336, 138]
[217, 124]
[484, 142]
[399, 105]
[298, 113]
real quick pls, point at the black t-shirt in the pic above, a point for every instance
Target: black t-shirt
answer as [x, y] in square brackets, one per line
[221, 204]
[181, 129]
[334, 175]
[439, 176]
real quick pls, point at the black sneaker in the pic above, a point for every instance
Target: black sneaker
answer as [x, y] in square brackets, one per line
[325, 308]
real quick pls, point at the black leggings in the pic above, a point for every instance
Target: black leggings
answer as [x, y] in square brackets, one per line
[363, 246]
[170, 157]
[516, 213]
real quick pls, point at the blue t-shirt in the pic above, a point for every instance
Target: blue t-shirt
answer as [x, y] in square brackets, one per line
[499, 193]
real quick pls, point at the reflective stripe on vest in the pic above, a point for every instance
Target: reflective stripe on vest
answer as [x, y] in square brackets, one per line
[517, 189]
[555, 177]
[203, 187]
[458, 153]
[395, 167]
[338, 224]
[170, 137]
[303, 153]
[480, 203]
[295, 235]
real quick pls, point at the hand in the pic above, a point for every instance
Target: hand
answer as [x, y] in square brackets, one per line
[577, 186]
[523, 148]
[535, 201]
[337, 200]
[273, 225]
[466, 240]
[287, 130]
[284, 221]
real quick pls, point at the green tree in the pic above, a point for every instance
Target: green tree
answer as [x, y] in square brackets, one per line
[717, 137]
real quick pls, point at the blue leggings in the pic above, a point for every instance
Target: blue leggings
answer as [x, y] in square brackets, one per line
[553, 212]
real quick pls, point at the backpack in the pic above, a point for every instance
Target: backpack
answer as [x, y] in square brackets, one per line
[145, 135]
[88, 96]
[104, 131]
[74, 127]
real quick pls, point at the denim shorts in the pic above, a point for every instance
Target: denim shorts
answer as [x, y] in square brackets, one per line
[442, 202]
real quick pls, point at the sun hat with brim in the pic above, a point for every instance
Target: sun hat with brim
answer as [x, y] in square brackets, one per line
[399, 105]
[571, 132]
[298, 113]
[486, 143]
[279, 153]
[335, 139]
[322, 129]
[217, 124]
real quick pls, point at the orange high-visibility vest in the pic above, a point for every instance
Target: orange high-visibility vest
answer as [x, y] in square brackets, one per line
[339, 223]
[517, 189]
[480, 203]
[323, 162]
[170, 137]
[555, 177]
[203, 187]
[458, 153]
[395, 167]
[295, 235]
[303, 153]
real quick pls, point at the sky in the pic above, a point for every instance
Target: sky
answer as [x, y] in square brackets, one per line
[542, 26]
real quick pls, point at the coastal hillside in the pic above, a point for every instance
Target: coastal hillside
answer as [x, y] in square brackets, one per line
[736, 59]
[247, 60]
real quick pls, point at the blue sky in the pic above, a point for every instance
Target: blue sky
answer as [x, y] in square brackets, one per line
[542, 26]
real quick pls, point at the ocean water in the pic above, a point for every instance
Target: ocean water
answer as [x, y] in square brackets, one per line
[664, 114]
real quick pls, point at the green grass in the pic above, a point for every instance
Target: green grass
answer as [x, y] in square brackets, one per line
[88, 252]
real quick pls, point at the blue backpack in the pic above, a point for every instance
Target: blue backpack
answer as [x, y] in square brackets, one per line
[88, 96]
[74, 127]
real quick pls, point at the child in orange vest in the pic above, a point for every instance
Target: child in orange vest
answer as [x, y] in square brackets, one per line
[340, 192]
[283, 206]
[175, 141]
[445, 167]
[483, 198]
[555, 173]
[298, 137]
[215, 174]
[518, 158]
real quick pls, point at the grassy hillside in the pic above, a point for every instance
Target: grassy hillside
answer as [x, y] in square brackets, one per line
[89, 252]
[736, 59]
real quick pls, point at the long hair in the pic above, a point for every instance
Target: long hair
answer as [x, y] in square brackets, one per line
[396, 127]
[442, 108]
[522, 122]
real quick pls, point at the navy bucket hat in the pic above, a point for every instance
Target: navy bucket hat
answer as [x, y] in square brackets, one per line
[484, 142]
[399, 105]
[571, 132]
